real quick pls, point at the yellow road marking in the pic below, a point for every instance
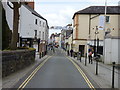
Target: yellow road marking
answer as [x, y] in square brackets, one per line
[32, 74]
[83, 75]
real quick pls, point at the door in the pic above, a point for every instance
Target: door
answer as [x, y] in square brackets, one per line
[81, 49]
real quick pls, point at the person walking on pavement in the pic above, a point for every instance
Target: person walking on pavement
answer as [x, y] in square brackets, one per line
[71, 52]
[79, 55]
[90, 57]
[68, 52]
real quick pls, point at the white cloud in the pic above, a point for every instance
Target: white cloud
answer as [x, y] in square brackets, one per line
[59, 18]
[60, 12]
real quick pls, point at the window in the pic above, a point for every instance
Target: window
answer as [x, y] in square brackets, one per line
[107, 19]
[35, 33]
[36, 21]
[40, 23]
[39, 34]
[43, 24]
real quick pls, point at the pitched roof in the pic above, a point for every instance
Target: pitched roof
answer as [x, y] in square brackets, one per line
[34, 12]
[99, 10]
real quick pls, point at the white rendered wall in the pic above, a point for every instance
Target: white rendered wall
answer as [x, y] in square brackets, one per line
[9, 15]
[26, 23]
[111, 51]
[28, 26]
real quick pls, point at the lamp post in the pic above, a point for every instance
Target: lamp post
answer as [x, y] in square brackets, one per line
[104, 29]
[96, 44]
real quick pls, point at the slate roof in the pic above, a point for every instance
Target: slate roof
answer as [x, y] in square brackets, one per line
[99, 10]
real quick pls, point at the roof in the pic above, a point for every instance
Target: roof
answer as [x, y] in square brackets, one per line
[99, 10]
[34, 12]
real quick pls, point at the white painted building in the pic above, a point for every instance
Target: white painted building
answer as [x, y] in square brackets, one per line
[31, 24]
[112, 50]
[112, 41]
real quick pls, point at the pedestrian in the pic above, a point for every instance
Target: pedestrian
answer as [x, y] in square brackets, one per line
[90, 57]
[71, 52]
[79, 53]
[68, 52]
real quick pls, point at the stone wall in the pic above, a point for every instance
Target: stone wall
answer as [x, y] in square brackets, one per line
[13, 61]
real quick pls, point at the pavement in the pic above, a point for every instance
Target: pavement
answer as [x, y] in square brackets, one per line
[104, 77]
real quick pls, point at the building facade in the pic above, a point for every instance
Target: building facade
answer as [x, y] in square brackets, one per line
[33, 28]
[89, 26]
[65, 34]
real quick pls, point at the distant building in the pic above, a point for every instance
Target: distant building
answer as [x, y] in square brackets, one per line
[55, 39]
[65, 34]
[52, 39]
[89, 25]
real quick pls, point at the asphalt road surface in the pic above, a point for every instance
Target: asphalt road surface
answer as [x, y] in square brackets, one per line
[56, 72]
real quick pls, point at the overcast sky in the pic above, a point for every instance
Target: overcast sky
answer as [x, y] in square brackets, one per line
[60, 12]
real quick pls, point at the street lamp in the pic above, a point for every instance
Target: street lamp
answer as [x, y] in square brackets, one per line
[104, 29]
[96, 45]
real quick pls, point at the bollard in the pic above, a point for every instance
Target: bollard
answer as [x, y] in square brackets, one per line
[40, 55]
[77, 55]
[96, 67]
[80, 57]
[74, 54]
[113, 74]
[86, 59]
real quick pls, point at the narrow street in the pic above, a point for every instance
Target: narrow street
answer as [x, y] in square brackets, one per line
[57, 72]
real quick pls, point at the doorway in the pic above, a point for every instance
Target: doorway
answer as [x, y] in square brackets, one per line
[81, 49]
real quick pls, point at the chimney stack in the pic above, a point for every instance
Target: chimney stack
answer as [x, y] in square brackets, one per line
[31, 4]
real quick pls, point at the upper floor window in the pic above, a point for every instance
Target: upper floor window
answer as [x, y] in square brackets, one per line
[43, 24]
[39, 34]
[35, 33]
[36, 21]
[40, 23]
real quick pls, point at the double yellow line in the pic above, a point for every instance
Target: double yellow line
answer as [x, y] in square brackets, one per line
[83, 75]
[32, 74]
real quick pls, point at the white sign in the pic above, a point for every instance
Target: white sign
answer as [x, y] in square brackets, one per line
[101, 23]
